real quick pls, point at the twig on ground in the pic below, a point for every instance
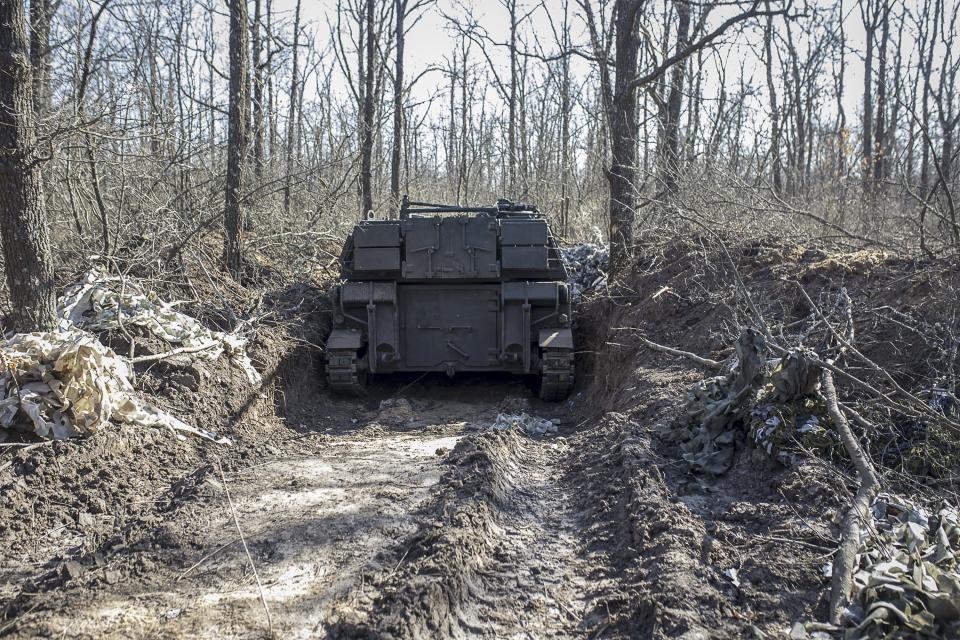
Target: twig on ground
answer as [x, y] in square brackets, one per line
[704, 362]
[173, 352]
[205, 558]
[253, 567]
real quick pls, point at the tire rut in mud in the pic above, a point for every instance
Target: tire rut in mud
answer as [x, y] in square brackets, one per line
[499, 554]
[690, 557]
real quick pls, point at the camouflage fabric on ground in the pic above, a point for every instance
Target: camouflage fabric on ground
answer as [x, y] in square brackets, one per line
[773, 404]
[717, 408]
[63, 383]
[907, 583]
[907, 579]
[102, 302]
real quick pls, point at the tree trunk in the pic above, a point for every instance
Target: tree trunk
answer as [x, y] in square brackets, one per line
[41, 11]
[367, 116]
[512, 107]
[774, 108]
[23, 219]
[237, 138]
[292, 111]
[840, 79]
[624, 131]
[867, 128]
[463, 180]
[930, 32]
[565, 159]
[257, 124]
[671, 164]
[880, 133]
[396, 151]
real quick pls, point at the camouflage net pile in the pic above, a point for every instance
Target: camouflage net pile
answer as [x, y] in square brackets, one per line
[907, 578]
[907, 581]
[773, 403]
[64, 383]
[102, 302]
[587, 267]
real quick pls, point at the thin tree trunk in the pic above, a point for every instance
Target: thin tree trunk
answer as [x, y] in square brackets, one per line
[880, 133]
[238, 130]
[23, 218]
[41, 12]
[774, 108]
[400, 7]
[671, 161]
[292, 111]
[257, 104]
[870, 27]
[512, 107]
[367, 116]
[624, 130]
[840, 79]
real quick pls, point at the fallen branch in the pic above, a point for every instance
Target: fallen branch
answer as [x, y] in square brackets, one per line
[174, 352]
[653, 346]
[205, 558]
[843, 563]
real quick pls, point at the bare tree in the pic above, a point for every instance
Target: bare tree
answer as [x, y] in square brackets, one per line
[367, 117]
[238, 131]
[292, 109]
[41, 12]
[774, 107]
[23, 218]
[400, 11]
[257, 85]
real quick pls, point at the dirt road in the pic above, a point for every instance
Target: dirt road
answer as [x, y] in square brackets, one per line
[326, 515]
[414, 518]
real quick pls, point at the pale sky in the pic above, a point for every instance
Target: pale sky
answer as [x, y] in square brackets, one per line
[431, 39]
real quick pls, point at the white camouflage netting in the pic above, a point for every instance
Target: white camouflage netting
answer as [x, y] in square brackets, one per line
[102, 302]
[65, 382]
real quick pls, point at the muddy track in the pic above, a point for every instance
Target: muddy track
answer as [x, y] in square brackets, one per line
[415, 520]
[503, 557]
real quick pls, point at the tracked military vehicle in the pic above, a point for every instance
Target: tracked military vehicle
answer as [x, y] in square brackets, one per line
[452, 289]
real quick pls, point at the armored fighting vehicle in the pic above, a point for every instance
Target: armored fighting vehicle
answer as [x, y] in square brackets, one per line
[453, 289]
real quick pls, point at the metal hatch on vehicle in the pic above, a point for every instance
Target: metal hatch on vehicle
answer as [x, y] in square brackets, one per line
[459, 327]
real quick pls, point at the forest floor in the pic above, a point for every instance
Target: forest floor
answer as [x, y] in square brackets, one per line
[406, 514]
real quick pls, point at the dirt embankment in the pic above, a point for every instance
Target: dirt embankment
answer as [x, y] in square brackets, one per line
[748, 552]
[403, 515]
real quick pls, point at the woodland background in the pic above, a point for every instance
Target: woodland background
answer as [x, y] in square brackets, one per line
[622, 115]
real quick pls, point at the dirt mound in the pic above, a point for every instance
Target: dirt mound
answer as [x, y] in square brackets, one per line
[696, 295]
[433, 588]
[697, 558]
[749, 551]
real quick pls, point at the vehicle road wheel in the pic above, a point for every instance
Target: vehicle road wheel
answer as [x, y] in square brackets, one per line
[556, 377]
[346, 373]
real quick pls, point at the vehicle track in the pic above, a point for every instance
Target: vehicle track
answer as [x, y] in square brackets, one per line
[502, 556]
[537, 562]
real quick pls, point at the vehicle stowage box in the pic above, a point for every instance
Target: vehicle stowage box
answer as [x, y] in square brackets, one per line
[452, 289]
